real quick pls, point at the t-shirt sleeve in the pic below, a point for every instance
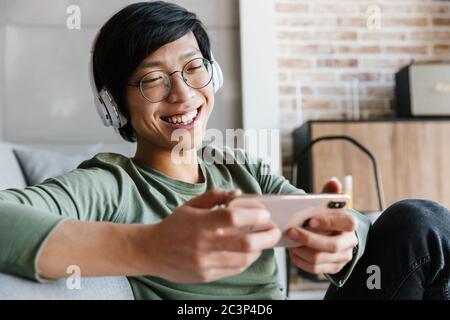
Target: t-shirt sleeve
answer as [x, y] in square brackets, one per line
[29, 216]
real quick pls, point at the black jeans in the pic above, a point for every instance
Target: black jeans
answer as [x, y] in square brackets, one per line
[410, 244]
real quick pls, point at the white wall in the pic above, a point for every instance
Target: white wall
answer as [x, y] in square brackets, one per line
[259, 73]
[46, 99]
[2, 72]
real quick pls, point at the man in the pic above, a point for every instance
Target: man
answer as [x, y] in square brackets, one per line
[157, 221]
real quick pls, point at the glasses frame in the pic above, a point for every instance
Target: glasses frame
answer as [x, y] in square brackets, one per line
[169, 75]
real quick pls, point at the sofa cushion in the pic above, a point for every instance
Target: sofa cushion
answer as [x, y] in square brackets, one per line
[11, 175]
[38, 165]
[98, 288]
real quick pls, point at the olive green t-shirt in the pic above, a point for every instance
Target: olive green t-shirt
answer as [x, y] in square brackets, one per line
[112, 187]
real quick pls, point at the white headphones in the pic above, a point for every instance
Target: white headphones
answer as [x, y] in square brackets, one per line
[104, 101]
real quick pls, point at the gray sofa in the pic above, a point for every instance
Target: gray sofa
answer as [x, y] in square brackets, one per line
[12, 175]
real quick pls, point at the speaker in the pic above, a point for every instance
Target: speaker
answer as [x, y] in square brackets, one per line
[423, 90]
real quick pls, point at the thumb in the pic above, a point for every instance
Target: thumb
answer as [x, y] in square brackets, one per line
[332, 186]
[212, 198]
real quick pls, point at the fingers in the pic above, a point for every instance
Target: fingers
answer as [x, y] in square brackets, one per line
[231, 260]
[219, 273]
[317, 257]
[334, 222]
[236, 218]
[328, 268]
[331, 244]
[246, 203]
[247, 242]
[212, 198]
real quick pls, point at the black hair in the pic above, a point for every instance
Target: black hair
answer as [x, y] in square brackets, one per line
[131, 35]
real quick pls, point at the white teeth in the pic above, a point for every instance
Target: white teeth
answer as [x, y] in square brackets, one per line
[185, 119]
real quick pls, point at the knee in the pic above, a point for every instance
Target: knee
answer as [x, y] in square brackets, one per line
[415, 215]
[418, 209]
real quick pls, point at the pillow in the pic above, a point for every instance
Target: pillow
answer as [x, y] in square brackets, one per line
[11, 174]
[38, 165]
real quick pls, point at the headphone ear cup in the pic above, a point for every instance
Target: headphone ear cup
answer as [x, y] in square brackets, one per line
[217, 74]
[103, 113]
[116, 119]
[217, 77]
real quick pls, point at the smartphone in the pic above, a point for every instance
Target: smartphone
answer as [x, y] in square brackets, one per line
[289, 211]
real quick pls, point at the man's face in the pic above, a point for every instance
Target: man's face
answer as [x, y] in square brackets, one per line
[155, 122]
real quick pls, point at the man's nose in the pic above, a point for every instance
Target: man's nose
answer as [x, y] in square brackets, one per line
[180, 90]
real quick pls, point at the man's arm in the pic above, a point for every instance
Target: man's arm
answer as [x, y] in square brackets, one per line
[28, 217]
[38, 245]
[362, 232]
[206, 252]
[22, 230]
[42, 246]
[97, 248]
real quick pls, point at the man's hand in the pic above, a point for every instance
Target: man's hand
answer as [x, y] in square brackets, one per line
[201, 243]
[326, 245]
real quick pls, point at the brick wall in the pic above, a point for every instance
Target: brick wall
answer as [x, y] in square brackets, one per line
[338, 55]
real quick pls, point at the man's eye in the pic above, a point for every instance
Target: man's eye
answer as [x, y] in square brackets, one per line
[152, 81]
[194, 68]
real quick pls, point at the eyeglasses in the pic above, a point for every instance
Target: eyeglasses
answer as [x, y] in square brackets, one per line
[156, 86]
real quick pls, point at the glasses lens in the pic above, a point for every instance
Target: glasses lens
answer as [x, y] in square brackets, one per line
[155, 86]
[197, 73]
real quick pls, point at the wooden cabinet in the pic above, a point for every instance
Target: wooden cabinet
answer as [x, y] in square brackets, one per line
[413, 157]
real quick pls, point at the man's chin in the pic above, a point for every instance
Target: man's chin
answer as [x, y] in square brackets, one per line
[184, 153]
[191, 146]
[187, 140]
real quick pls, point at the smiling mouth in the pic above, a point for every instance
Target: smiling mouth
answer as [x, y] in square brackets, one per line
[183, 119]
